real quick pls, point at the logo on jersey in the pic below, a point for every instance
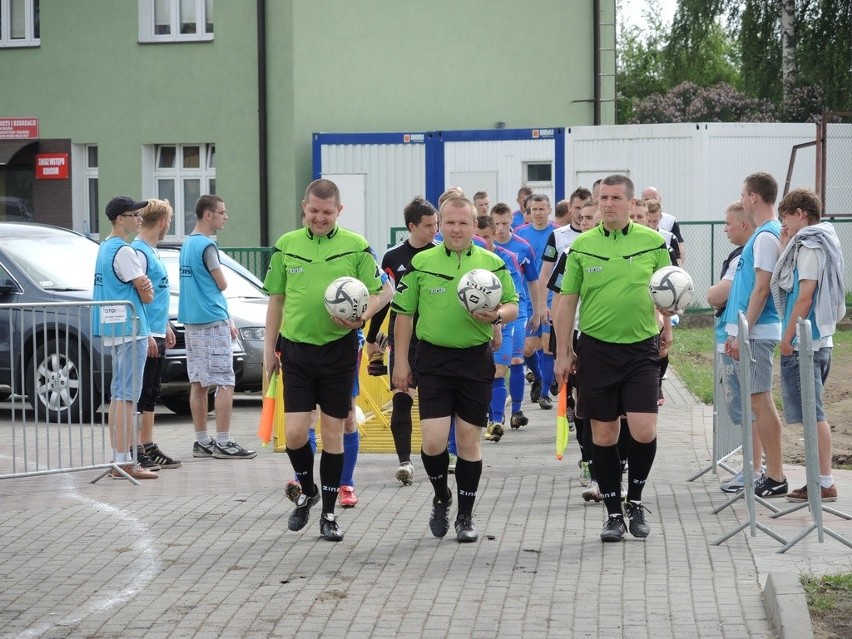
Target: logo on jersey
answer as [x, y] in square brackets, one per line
[594, 269]
[295, 270]
[437, 291]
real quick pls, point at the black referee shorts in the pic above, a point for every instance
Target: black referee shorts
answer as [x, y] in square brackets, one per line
[455, 381]
[613, 379]
[321, 375]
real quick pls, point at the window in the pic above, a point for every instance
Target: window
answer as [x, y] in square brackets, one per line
[19, 23]
[182, 174]
[175, 20]
[538, 174]
[92, 223]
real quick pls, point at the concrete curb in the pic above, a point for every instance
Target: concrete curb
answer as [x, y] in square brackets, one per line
[786, 606]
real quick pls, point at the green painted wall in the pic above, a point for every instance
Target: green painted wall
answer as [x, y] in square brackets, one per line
[333, 65]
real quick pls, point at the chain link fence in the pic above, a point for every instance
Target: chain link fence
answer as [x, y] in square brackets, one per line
[707, 246]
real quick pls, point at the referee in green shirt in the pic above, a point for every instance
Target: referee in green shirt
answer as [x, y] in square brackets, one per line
[318, 353]
[455, 366]
[618, 352]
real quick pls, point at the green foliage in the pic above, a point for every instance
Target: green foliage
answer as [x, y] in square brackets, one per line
[691, 355]
[822, 592]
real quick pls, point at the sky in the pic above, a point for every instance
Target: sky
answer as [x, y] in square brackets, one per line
[632, 10]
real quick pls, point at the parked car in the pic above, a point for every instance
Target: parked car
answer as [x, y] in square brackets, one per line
[247, 306]
[15, 209]
[66, 375]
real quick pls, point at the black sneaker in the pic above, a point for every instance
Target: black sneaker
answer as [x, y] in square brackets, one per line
[329, 529]
[518, 419]
[535, 391]
[301, 513]
[554, 388]
[204, 450]
[145, 461]
[232, 450]
[153, 451]
[545, 402]
[465, 532]
[768, 487]
[439, 520]
[614, 528]
[530, 377]
[635, 511]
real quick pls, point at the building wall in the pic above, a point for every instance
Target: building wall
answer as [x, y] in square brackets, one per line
[336, 65]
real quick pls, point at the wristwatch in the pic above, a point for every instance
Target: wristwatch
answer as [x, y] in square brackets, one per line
[499, 320]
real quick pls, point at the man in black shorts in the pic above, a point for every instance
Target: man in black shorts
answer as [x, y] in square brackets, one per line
[454, 360]
[318, 353]
[617, 357]
[421, 219]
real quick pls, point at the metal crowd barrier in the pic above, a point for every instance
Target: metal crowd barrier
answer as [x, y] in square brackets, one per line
[809, 423]
[727, 436]
[747, 493]
[55, 377]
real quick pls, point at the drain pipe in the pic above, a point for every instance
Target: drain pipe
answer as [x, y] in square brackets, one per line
[262, 125]
[596, 8]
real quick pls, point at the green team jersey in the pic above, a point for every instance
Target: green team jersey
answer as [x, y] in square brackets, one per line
[301, 268]
[611, 271]
[430, 289]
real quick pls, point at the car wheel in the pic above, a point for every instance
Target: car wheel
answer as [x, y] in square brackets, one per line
[179, 404]
[54, 383]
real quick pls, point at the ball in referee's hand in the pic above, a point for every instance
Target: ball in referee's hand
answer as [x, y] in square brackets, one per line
[479, 290]
[346, 298]
[671, 288]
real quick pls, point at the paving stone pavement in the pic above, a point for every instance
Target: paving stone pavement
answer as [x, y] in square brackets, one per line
[204, 550]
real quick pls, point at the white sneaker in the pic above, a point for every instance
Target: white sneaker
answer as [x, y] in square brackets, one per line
[405, 473]
[736, 483]
[592, 492]
[623, 491]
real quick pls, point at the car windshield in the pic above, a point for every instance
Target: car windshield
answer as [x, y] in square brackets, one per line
[56, 262]
[238, 286]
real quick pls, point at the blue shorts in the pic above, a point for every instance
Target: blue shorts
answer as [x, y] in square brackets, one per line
[731, 387]
[503, 355]
[791, 387]
[128, 367]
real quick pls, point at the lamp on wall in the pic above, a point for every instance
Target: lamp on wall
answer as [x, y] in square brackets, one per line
[500, 125]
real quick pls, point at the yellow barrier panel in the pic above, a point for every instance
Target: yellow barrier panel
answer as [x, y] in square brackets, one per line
[375, 400]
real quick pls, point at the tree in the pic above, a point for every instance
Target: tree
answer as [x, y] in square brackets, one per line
[689, 102]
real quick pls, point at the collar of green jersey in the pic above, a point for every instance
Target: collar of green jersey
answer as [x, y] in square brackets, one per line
[466, 251]
[329, 235]
[606, 233]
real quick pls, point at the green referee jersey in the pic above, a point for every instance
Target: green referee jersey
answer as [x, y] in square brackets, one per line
[301, 268]
[430, 289]
[611, 271]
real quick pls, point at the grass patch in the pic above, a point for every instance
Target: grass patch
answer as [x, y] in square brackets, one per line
[691, 356]
[824, 592]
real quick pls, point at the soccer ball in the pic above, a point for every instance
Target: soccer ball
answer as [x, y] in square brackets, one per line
[346, 298]
[671, 288]
[479, 290]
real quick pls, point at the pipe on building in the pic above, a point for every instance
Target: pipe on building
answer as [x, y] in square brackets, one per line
[596, 8]
[262, 125]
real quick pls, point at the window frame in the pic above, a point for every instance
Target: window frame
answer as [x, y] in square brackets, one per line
[29, 39]
[205, 174]
[540, 184]
[147, 27]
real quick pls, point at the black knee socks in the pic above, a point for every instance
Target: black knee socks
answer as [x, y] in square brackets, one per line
[331, 469]
[400, 425]
[302, 460]
[467, 483]
[641, 460]
[436, 468]
[608, 476]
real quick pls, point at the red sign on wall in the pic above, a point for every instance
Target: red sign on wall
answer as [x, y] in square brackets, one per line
[18, 128]
[51, 166]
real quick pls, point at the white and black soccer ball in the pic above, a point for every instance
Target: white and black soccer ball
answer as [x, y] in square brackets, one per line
[671, 288]
[346, 298]
[479, 290]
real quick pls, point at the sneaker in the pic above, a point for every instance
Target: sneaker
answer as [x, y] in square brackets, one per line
[518, 419]
[377, 367]
[623, 491]
[614, 528]
[592, 492]
[451, 469]
[439, 520]
[530, 377]
[301, 513]
[535, 391]
[465, 532]
[801, 494]
[554, 388]
[329, 529]
[494, 432]
[635, 511]
[135, 471]
[736, 483]
[768, 487]
[293, 489]
[405, 473]
[571, 420]
[145, 461]
[545, 403]
[232, 450]
[585, 474]
[346, 496]
[204, 450]
[153, 451]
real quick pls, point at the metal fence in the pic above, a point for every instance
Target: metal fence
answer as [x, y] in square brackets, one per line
[707, 246]
[255, 260]
[55, 378]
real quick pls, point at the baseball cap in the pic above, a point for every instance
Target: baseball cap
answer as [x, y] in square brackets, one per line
[123, 204]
